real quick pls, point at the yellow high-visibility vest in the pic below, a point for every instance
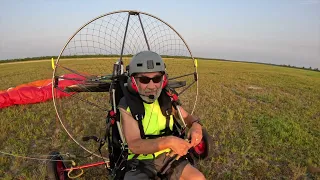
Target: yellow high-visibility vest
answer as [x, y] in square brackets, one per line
[153, 122]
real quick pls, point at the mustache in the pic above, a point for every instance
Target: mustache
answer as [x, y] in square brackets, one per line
[150, 91]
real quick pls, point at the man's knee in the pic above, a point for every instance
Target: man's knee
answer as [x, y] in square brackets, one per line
[190, 172]
[196, 175]
[199, 176]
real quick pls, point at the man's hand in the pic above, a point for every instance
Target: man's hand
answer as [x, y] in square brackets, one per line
[178, 146]
[195, 132]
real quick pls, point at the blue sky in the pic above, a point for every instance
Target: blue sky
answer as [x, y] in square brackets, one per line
[270, 31]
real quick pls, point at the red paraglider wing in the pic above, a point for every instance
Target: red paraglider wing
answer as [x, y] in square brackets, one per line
[37, 91]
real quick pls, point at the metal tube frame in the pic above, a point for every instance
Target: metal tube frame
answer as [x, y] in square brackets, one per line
[145, 36]
[57, 61]
[87, 166]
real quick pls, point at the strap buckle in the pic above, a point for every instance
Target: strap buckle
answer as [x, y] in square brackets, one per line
[133, 168]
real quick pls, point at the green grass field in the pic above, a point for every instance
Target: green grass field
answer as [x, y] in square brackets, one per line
[265, 121]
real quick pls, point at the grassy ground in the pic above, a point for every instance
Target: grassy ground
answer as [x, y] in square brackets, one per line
[265, 120]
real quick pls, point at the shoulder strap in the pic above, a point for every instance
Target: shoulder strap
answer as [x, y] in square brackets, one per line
[166, 109]
[143, 136]
[165, 103]
[135, 104]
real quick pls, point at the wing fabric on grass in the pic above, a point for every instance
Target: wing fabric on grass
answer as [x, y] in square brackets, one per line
[37, 91]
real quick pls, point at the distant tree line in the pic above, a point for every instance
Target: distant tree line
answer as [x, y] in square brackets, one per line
[310, 68]
[283, 65]
[61, 57]
[130, 55]
[78, 56]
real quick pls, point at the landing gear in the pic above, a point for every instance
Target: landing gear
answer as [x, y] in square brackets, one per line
[56, 167]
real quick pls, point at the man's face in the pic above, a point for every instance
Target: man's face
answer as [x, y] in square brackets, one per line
[149, 84]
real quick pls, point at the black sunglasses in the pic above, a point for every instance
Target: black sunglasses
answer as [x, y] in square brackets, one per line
[146, 80]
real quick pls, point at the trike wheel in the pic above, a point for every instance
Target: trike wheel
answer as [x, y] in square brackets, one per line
[56, 167]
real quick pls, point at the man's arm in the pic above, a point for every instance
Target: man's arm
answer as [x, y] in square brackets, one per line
[135, 143]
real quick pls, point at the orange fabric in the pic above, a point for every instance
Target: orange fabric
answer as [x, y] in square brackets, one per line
[39, 83]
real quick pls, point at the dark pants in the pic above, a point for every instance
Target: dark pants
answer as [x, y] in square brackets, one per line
[137, 171]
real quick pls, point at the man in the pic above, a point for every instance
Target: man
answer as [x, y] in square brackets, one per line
[147, 80]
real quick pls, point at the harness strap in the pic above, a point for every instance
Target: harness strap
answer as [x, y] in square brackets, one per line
[143, 136]
[164, 173]
[137, 110]
[135, 156]
[166, 131]
[135, 104]
[167, 170]
[135, 164]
